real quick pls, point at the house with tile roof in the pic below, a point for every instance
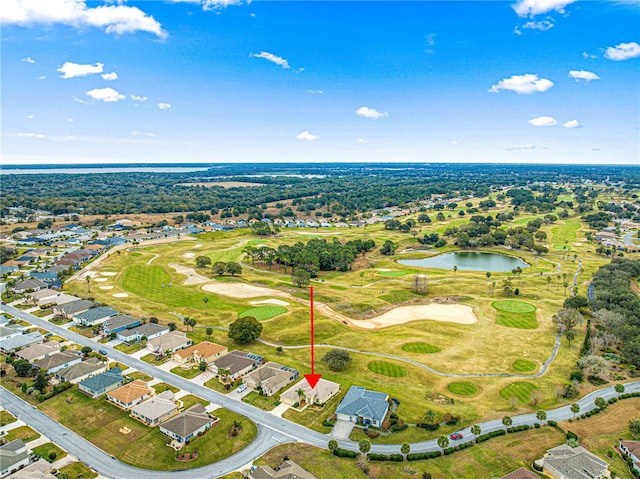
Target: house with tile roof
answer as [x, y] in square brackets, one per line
[270, 378]
[130, 394]
[362, 406]
[171, 342]
[320, 394]
[94, 316]
[148, 331]
[102, 383]
[13, 456]
[204, 351]
[157, 409]
[80, 371]
[521, 473]
[188, 424]
[287, 470]
[235, 364]
[118, 323]
[55, 362]
[35, 352]
[565, 462]
[631, 449]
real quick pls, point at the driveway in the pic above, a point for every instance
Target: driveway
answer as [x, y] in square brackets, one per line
[342, 429]
[280, 409]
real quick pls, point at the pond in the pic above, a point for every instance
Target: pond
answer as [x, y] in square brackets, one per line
[469, 261]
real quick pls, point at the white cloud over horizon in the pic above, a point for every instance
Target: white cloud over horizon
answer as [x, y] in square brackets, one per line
[272, 58]
[526, 146]
[72, 70]
[531, 8]
[623, 51]
[116, 19]
[110, 76]
[543, 121]
[542, 26]
[583, 75]
[366, 112]
[306, 136]
[107, 95]
[213, 4]
[572, 124]
[522, 84]
[165, 106]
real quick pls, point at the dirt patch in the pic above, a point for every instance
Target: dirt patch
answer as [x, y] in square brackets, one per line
[192, 276]
[277, 302]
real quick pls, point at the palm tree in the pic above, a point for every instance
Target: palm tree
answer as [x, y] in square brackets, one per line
[575, 409]
[88, 279]
[429, 416]
[300, 393]
[333, 445]
[209, 332]
[548, 282]
[541, 416]
[364, 446]
[206, 303]
[224, 373]
[455, 268]
[443, 442]
[405, 448]
[475, 430]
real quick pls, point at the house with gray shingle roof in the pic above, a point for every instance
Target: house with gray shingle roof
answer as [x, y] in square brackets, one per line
[565, 462]
[74, 307]
[13, 456]
[39, 351]
[631, 449]
[82, 370]
[157, 409]
[362, 406]
[58, 361]
[148, 330]
[102, 383]
[287, 470]
[20, 341]
[118, 323]
[29, 285]
[94, 316]
[188, 424]
[270, 378]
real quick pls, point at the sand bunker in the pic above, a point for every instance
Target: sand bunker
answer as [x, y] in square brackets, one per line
[192, 276]
[199, 245]
[240, 290]
[108, 273]
[449, 313]
[188, 255]
[277, 302]
[105, 287]
[120, 295]
[100, 280]
[578, 244]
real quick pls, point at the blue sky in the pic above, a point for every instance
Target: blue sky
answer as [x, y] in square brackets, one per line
[544, 81]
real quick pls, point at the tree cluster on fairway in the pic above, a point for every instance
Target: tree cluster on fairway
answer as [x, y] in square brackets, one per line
[244, 330]
[202, 261]
[220, 268]
[337, 359]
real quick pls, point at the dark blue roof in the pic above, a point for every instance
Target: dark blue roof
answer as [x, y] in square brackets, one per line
[103, 380]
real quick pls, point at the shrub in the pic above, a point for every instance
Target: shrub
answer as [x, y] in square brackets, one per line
[396, 457]
[429, 427]
[379, 457]
[448, 451]
[552, 423]
[577, 376]
[344, 453]
[537, 425]
[572, 435]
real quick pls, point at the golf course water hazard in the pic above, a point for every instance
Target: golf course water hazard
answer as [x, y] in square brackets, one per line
[469, 261]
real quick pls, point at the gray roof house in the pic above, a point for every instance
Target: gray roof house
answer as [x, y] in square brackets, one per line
[74, 307]
[172, 342]
[236, 363]
[10, 330]
[29, 285]
[40, 469]
[39, 351]
[94, 316]
[188, 424]
[15, 343]
[83, 370]
[567, 462]
[157, 409]
[58, 361]
[118, 323]
[631, 449]
[362, 406]
[13, 456]
[102, 383]
[148, 330]
[287, 470]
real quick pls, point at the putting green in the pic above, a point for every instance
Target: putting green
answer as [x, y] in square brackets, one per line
[393, 273]
[523, 365]
[513, 306]
[263, 313]
[521, 390]
[463, 388]
[387, 369]
[424, 348]
[515, 314]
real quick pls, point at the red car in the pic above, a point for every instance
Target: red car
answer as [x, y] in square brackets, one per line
[456, 435]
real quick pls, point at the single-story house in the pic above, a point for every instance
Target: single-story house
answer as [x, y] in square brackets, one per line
[68, 310]
[235, 364]
[10, 330]
[148, 330]
[188, 424]
[36, 352]
[102, 383]
[29, 285]
[58, 361]
[271, 377]
[64, 298]
[43, 296]
[204, 351]
[86, 369]
[171, 342]
[13, 456]
[20, 341]
[287, 470]
[118, 323]
[362, 406]
[320, 394]
[521, 473]
[565, 462]
[631, 449]
[94, 316]
[157, 409]
[7, 269]
[130, 394]
[48, 277]
[40, 469]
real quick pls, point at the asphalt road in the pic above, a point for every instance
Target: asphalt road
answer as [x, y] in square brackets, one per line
[272, 430]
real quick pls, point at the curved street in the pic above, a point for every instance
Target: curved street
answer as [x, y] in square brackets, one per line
[272, 430]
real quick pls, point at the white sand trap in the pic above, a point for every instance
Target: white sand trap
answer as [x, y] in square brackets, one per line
[120, 295]
[384, 269]
[241, 290]
[105, 287]
[108, 273]
[188, 255]
[277, 302]
[199, 245]
[578, 244]
[100, 280]
[449, 313]
[192, 276]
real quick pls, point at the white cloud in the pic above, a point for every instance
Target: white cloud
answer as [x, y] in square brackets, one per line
[455, 142]
[362, 141]
[27, 135]
[543, 121]
[572, 124]
[116, 19]
[165, 106]
[587, 55]
[110, 76]
[107, 95]
[315, 92]
[366, 112]
[143, 133]
[272, 58]
[305, 135]
[431, 39]
[28, 60]
[543, 25]
[31, 117]
[531, 8]
[527, 83]
[138, 98]
[623, 51]
[72, 70]
[583, 75]
[212, 4]
[42, 77]
[526, 146]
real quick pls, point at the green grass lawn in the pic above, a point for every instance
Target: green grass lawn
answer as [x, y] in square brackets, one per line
[138, 375]
[515, 314]
[524, 365]
[23, 432]
[266, 403]
[216, 385]
[6, 418]
[263, 313]
[463, 388]
[161, 387]
[129, 348]
[565, 234]
[189, 400]
[392, 274]
[45, 449]
[419, 347]
[151, 359]
[78, 470]
[387, 369]
[186, 373]
[521, 390]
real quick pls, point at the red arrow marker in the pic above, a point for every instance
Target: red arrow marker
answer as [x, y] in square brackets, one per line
[312, 378]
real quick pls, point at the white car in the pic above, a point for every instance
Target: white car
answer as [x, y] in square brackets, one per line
[241, 388]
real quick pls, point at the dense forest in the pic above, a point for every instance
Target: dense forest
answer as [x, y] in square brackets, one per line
[341, 189]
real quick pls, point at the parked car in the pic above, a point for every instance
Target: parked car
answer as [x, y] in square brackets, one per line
[102, 351]
[241, 388]
[456, 435]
